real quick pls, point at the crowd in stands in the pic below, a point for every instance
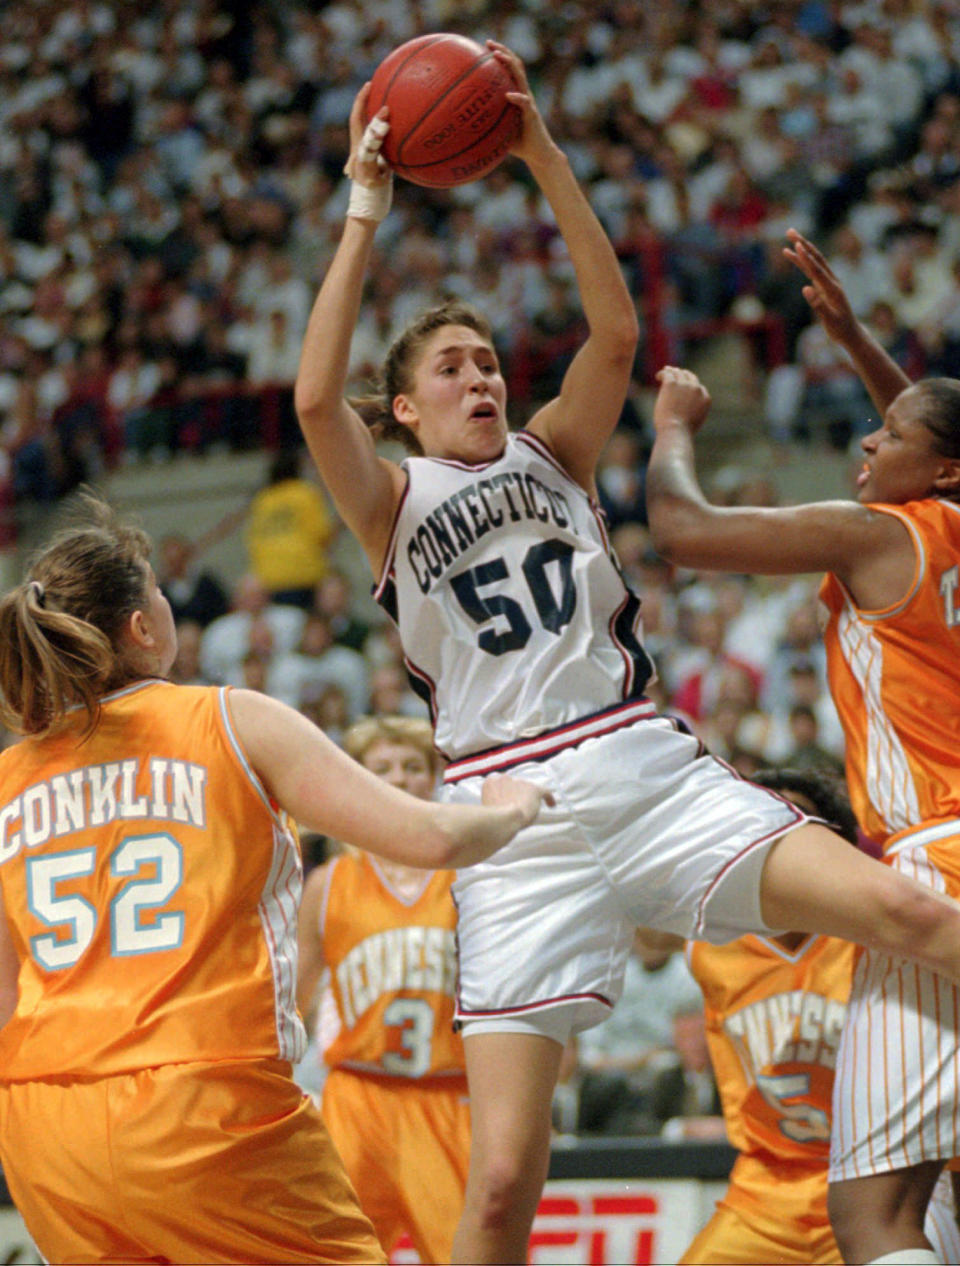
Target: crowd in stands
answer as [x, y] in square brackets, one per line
[171, 190]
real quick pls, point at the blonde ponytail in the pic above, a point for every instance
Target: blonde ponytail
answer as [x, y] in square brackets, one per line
[59, 629]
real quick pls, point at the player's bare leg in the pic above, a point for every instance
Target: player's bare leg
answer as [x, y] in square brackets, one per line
[883, 1214]
[813, 881]
[511, 1077]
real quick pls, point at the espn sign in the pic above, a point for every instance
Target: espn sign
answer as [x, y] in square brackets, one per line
[612, 1222]
[596, 1229]
[608, 1222]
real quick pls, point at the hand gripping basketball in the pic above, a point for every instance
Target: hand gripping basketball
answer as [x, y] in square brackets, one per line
[371, 202]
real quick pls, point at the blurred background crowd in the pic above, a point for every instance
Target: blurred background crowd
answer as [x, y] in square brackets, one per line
[171, 191]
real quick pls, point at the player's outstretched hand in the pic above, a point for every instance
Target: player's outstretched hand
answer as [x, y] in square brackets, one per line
[824, 292]
[504, 791]
[682, 399]
[534, 142]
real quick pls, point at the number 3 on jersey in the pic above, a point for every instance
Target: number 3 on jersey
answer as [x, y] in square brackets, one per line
[414, 1017]
[129, 934]
[554, 610]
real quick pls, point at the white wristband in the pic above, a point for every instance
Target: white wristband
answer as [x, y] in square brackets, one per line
[370, 202]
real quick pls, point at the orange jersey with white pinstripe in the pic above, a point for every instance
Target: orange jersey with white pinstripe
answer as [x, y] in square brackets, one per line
[895, 678]
[391, 973]
[773, 1020]
[151, 891]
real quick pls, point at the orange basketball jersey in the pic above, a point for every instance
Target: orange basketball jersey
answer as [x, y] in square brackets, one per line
[390, 976]
[773, 1019]
[151, 891]
[895, 678]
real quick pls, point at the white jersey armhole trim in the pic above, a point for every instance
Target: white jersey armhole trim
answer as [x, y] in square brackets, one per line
[387, 567]
[922, 835]
[543, 449]
[234, 740]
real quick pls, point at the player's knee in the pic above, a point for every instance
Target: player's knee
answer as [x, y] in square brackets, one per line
[503, 1189]
[860, 1219]
[869, 1215]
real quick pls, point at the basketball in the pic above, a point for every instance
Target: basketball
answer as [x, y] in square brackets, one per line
[450, 120]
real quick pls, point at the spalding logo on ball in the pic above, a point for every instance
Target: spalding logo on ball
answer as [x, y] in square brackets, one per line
[450, 120]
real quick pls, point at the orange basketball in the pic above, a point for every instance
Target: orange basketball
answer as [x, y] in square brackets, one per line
[450, 120]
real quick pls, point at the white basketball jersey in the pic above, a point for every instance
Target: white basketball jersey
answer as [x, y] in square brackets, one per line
[511, 607]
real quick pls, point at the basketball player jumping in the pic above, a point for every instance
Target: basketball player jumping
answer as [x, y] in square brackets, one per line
[492, 556]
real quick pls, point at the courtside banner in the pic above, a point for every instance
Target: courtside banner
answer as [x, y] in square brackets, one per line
[622, 1202]
[599, 1222]
[604, 1222]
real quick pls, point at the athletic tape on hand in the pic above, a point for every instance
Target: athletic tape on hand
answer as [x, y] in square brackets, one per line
[370, 202]
[369, 147]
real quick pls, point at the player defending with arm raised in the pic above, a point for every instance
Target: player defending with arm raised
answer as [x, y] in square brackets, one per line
[892, 559]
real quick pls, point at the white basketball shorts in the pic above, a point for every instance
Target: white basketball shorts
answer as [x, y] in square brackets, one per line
[647, 830]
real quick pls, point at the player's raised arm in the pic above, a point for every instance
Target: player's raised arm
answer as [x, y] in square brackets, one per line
[839, 536]
[363, 485]
[579, 422]
[881, 375]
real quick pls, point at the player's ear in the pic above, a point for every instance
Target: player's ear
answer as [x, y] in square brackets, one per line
[405, 411]
[946, 483]
[139, 630]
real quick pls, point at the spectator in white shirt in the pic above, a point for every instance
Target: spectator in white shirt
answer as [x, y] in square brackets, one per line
[318, 661]
[274, 350]
[227, 639]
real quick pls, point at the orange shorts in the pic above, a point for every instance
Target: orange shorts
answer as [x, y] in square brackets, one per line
[732, 1238]
[226, 1162]
[405, 1146]
[771, 1212]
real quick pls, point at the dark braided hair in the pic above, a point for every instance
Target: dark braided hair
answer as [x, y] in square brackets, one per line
[941, 413]
[825, 791]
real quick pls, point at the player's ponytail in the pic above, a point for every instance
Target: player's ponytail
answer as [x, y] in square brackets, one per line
[376, 409]
[59, 629]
